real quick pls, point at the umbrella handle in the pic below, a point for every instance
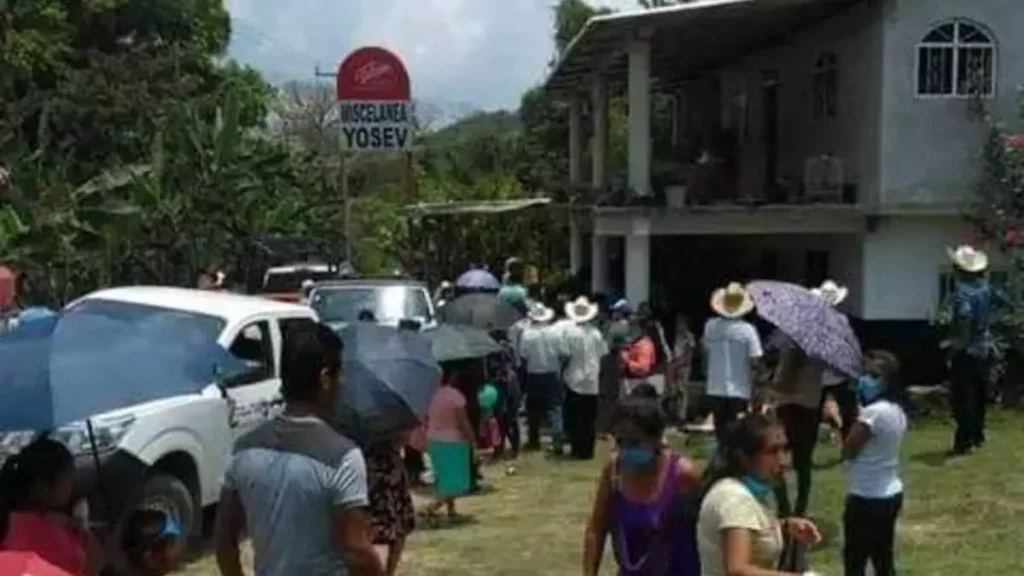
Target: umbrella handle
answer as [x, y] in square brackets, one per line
[100, 485]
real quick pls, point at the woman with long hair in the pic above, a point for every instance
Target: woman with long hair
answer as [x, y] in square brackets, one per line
[874, 492]
[35, 494]
[641, 501]
[737, 532]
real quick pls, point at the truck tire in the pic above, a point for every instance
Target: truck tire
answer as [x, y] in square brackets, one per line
[171, 496]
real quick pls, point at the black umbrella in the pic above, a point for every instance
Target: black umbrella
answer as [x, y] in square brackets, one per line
[390, 378]
[483, 311]
[450, 342]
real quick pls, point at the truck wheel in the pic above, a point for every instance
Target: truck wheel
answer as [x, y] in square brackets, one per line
[172, 497]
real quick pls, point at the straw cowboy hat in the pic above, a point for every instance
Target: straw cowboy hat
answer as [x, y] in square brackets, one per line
[581, 310]
[968, 258]
[831, 292]
[540, 313]
[733, 301]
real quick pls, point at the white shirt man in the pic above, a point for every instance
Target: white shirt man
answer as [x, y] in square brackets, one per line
[732, 348]
[584, 348]
[540, 349]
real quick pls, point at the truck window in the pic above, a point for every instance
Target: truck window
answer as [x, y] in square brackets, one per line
[254, 347]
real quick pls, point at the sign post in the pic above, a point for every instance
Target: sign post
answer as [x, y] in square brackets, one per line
[376, 111]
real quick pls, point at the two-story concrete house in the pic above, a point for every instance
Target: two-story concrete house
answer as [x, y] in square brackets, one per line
[809, 139]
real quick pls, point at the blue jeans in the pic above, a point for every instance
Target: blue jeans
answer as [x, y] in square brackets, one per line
[544, 396]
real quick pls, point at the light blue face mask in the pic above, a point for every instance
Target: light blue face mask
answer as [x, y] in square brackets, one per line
[636, 457]
[759, 488]
[868, 389]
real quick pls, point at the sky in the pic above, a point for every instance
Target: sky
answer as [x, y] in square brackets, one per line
[478, 53]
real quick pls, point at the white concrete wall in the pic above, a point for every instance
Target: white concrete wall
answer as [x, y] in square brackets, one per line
[930, 146]
[902, 262]
[856, 38]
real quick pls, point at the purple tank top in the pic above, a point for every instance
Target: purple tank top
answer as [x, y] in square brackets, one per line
[655, 538]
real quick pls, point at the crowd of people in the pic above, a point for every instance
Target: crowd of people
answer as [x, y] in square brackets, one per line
[314, 502]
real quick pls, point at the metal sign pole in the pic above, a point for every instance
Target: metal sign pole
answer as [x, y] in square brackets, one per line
[347, 207]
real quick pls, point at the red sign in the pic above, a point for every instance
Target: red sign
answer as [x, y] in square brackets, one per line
[373, 74]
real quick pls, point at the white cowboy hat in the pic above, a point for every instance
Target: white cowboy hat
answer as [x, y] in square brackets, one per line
[540, 313]
[581, 310]
[968, 258]
[733, 301]
[831, 292]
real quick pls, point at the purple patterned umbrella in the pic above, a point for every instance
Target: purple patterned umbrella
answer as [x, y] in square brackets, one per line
[813, 324]
[477, 279]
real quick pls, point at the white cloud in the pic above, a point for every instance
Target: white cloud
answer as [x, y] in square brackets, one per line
[484, 52]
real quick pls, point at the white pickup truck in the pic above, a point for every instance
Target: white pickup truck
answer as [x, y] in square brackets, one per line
[171, 454]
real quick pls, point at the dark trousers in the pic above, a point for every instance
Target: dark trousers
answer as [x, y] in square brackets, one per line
[969, 396]
[508, 421]
[869, 533]
[580, 414]
[801, 426]
[846, 398]
[543, 402]
[725, 410]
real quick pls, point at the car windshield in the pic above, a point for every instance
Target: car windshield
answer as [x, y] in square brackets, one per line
[387, 303]
[145, 320]
[291, 281]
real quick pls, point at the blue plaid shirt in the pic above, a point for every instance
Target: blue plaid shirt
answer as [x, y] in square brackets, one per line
[972, 302]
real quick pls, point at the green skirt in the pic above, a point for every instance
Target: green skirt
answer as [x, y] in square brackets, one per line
[450, 462]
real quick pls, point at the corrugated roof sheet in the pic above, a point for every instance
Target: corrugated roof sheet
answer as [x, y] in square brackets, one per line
[486, 207]
[686, 38]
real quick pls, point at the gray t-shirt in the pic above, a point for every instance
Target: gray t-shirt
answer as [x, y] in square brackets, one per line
[292, 474]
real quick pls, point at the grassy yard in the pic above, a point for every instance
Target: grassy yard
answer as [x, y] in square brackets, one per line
[961, 516]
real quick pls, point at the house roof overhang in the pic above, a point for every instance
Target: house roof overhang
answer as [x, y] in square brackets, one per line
[686, 39]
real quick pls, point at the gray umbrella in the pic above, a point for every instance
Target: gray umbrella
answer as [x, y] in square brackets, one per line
[390, 378]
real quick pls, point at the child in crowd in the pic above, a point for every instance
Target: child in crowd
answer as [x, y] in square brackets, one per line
[489, 434]
[151, 543]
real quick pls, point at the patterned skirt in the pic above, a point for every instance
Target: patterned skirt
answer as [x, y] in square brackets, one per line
[391, 508]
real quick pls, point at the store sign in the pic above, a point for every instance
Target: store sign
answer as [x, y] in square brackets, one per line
[375, 101]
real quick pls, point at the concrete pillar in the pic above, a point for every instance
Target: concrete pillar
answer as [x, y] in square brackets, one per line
[575, 142]
[599, 159]
[638, 261]
[599, 264]
[640, 116]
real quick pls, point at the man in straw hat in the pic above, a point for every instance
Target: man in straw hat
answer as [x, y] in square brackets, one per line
[585, 346]
[732, 349]
[540, 350]
[967, 347]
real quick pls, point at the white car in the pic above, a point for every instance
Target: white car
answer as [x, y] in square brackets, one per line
[389, 300]
[171, 454]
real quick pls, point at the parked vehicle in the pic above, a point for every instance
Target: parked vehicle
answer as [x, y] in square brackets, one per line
[389, 300]
[284, 283]
[170, 454]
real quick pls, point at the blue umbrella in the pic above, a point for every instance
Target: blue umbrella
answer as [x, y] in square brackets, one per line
[69, 367]
[477, 279]
[390, 378]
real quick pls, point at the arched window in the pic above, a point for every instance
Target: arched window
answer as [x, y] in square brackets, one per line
[825, 85]
[956, 59]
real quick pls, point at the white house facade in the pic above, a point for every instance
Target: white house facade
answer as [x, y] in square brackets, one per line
[809, 138]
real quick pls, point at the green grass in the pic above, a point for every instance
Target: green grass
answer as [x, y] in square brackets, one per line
[963, 516]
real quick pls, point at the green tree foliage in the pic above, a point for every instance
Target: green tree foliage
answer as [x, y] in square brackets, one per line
[136, 156]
